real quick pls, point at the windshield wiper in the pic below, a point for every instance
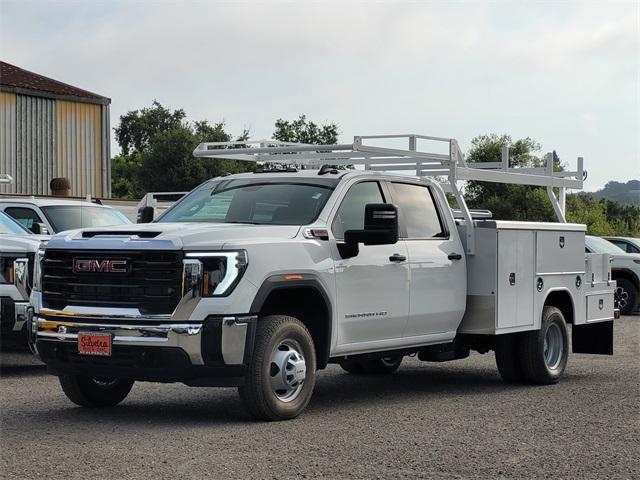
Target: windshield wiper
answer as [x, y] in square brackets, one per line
[245, 223]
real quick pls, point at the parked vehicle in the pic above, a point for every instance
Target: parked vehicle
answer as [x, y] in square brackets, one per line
[43, 215]
[258, 280]
[627, 244]
[625, 270]
[17, 250]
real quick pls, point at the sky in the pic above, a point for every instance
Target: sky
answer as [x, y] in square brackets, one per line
[564, 73]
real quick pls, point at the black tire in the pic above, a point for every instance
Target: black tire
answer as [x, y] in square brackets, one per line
[545, 366]
[382, 366]
[508, 359]
[352, 366]
[626, 295]
[95, 392]
[278, 333]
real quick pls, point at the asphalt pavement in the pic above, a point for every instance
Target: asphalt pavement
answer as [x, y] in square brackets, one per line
[442, 421]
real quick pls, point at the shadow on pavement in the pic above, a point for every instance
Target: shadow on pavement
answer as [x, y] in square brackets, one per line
[331, 394]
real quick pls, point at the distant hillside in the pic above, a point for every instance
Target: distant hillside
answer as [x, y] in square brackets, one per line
[626, 193]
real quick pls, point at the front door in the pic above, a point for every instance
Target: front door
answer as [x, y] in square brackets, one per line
[372, 287]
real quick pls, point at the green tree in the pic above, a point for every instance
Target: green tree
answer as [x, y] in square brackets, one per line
[170, 166]
[157, 152]
[303, 131]
[125, 170]
[506, 201]
[138, 128]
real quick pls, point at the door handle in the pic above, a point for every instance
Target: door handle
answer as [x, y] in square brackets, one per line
[454, 256]
[396, 257]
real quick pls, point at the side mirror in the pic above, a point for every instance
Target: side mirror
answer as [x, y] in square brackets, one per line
[145, 215]
[380, 226]
[39, 228]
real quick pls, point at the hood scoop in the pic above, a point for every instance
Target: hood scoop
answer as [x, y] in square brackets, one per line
[120, 233]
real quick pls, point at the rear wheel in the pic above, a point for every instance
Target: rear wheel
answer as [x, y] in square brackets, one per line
[544, 352]
[95, 392]
[352, 366]
[626, 294]
[382, 366]
[377, 366]
[282, 372]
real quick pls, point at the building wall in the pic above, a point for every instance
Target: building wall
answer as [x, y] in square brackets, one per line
[8, 137]
[43, 138]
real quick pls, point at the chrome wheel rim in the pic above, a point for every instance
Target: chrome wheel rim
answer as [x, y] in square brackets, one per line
[553, 346]
[105, 382]
[287, 370]
[389, 361]
[622, 296]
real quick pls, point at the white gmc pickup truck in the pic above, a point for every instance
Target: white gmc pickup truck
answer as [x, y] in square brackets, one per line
[259, 280]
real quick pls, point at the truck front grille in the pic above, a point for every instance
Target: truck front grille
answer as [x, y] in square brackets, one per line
[152, 282]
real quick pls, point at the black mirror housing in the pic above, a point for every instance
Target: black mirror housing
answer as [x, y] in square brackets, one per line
[380, 226]
[39, 229]
[145, 215]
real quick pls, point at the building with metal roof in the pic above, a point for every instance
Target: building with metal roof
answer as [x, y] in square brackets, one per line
[51, 129]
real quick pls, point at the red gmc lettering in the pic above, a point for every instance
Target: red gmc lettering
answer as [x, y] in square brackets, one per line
[84, 265]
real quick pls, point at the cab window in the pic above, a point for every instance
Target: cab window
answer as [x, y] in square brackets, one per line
[24, 216]
[417, 211]
[350, 215]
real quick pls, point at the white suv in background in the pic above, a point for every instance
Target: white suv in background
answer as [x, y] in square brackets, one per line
[54, 215]
[627, 244]
[625, 270]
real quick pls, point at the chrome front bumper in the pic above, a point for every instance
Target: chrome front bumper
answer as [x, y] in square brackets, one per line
[186, 336]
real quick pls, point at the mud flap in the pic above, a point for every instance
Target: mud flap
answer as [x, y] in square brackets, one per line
[595, 338]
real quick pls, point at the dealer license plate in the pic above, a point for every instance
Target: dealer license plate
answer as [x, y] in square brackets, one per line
[94, 344]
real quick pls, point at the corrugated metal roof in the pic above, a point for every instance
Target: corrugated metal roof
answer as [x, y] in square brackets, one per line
[16, 77]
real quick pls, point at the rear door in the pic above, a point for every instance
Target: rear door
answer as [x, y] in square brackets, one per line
[372, 287]
[436, 261]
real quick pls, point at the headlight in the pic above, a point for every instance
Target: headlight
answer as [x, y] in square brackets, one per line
[37, 271]
[213, 274]
[7, 273]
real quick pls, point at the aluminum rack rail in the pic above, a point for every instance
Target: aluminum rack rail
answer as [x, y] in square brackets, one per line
[425, 156]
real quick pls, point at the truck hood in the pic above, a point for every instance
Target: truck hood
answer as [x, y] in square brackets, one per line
[20, 243]
[170, 236]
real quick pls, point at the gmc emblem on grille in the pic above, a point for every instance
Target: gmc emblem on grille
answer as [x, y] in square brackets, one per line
[93, 265]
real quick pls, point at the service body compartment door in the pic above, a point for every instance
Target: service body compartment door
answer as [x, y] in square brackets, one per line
[515, 278]
[559, 252]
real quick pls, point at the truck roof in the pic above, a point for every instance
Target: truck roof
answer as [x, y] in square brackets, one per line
[46, 202]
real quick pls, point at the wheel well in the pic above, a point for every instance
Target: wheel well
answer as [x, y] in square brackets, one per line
[562, 300]
[629, 275]
[307, 305]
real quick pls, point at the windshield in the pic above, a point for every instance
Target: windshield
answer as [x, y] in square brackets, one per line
[260, 202]
[70, 217]
[600, 245]
[8, 226]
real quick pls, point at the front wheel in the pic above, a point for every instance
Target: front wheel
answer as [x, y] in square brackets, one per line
[95, 392]
[544, 353]
[282, 372]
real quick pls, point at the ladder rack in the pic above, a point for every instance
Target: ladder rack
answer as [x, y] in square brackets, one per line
[446, 161]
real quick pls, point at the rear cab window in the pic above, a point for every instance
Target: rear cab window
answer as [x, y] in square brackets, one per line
[418, 214]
